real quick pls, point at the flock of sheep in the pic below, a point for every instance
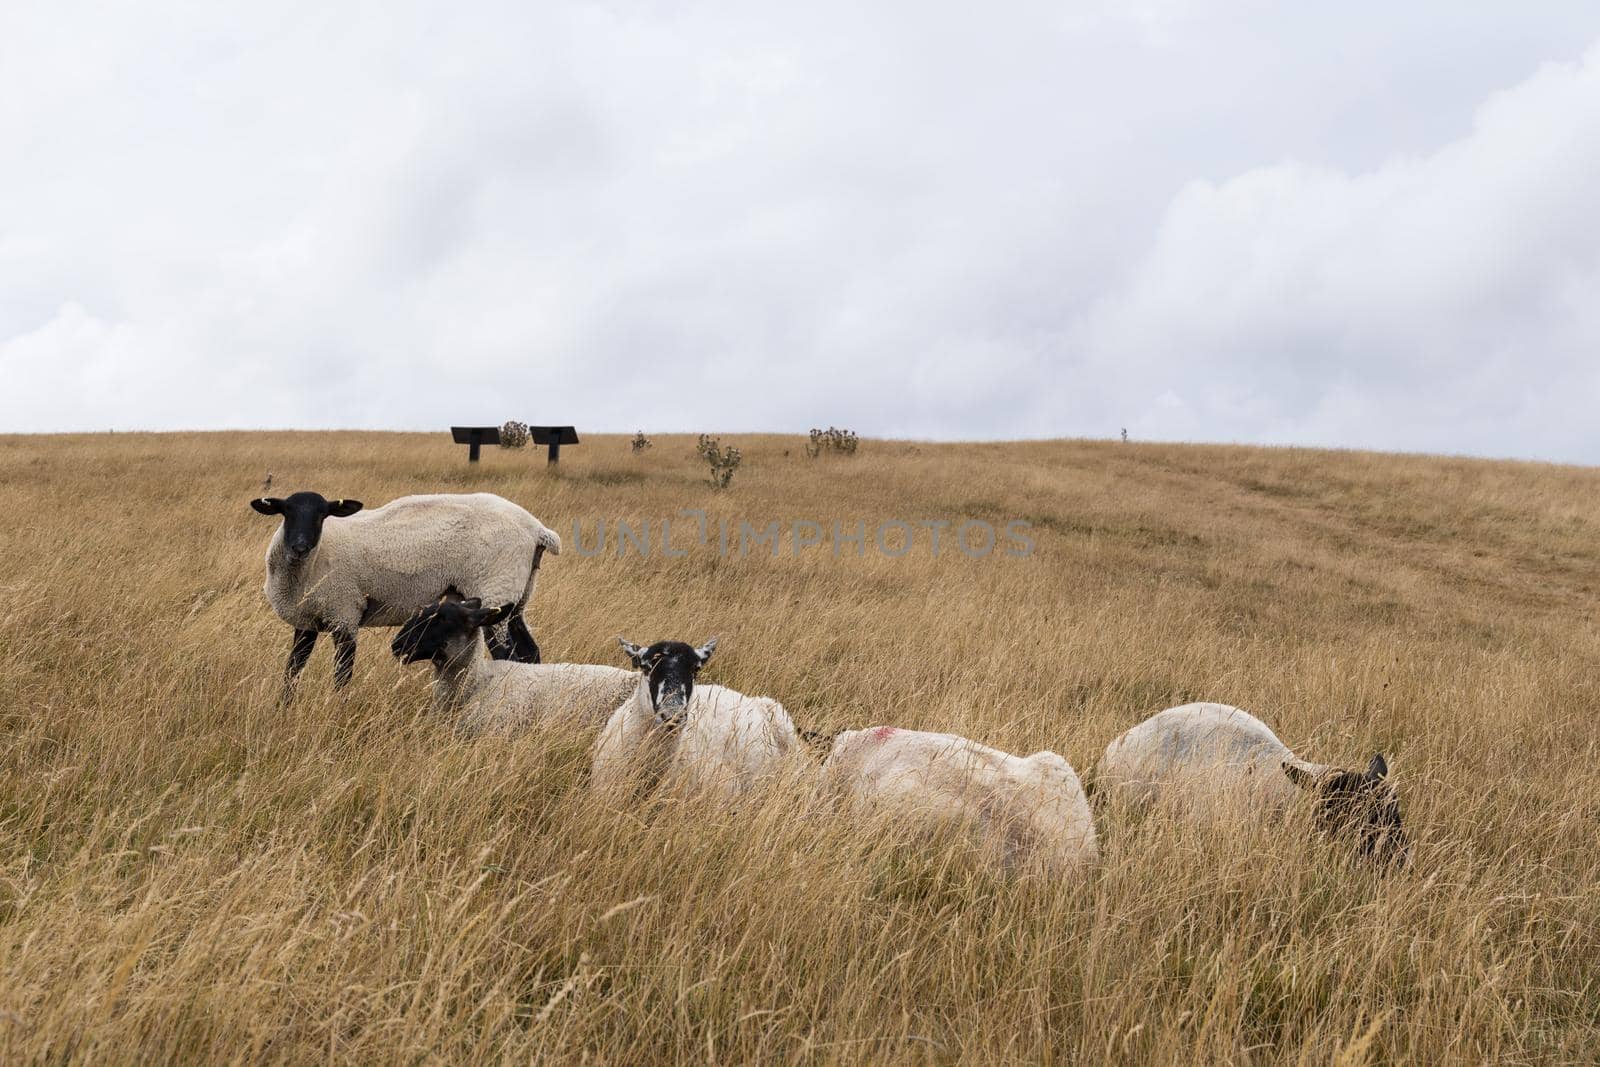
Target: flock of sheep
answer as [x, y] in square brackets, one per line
[455, 572]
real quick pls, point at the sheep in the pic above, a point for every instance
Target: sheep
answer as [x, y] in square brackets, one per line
[1212, 760]
[380, 567]
[1033, 808]
[498, 695]
[707, 737]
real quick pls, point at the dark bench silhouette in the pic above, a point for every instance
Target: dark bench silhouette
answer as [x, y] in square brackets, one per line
[475, 437]
[555, 437]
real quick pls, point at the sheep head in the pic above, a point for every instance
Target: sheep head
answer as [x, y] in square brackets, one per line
[667, 672]
[444, 630]
[1359, 804]
[303, 515]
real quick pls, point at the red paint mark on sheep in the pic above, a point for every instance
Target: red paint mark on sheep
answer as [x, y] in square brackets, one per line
[883, 733]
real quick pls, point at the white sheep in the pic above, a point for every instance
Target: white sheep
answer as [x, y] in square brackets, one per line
[1032, 808]
[1215, 761]
[379, 567]
[488, 695]
[706, 738]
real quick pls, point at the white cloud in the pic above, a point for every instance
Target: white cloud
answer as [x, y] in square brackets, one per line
[1440, 301]
[906, 218]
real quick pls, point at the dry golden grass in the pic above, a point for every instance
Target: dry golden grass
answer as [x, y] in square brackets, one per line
[189, 873]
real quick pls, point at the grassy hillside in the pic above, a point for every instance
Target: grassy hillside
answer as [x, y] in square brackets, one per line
[190, 873]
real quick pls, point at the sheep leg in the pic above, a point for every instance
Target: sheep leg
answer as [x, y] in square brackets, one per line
[344, 657]
[524, 649]
[519, 644]
[299, 652]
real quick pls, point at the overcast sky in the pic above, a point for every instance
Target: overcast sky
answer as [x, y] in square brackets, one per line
[1363, 224]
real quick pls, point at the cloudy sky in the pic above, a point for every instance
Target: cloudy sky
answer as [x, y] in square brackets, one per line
[1364, 224]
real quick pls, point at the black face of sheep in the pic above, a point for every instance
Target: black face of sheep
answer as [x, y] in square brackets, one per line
[669, 669]
[1358, 804]
[303, 514]
[432, 632]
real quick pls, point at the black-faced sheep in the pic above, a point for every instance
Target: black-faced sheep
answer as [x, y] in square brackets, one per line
[1212, 759]
[497, 695]
[706, 737]
[380, 567]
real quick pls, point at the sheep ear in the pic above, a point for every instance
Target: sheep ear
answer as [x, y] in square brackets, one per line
[703, 653]
[498, 615]
[1298, 775]
[268, 505]
[634, 652]
[1378, 769]
[472, 603]
[343, 509]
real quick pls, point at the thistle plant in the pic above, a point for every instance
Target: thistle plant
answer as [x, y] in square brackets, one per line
[833, 439]
[723, 461]
[514, 434]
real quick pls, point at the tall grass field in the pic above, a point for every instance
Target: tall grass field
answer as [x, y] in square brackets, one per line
[191, 873]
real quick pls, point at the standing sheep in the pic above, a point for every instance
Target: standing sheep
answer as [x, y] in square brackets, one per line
[1032, 808]
[1211, 760]
[487, 695]
[378, 568]
[708, 737]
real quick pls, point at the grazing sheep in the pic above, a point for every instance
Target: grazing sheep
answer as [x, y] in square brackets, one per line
[1215, 759]
[492, 695]
[380, 567]
[1032, 808]
[707, 737]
